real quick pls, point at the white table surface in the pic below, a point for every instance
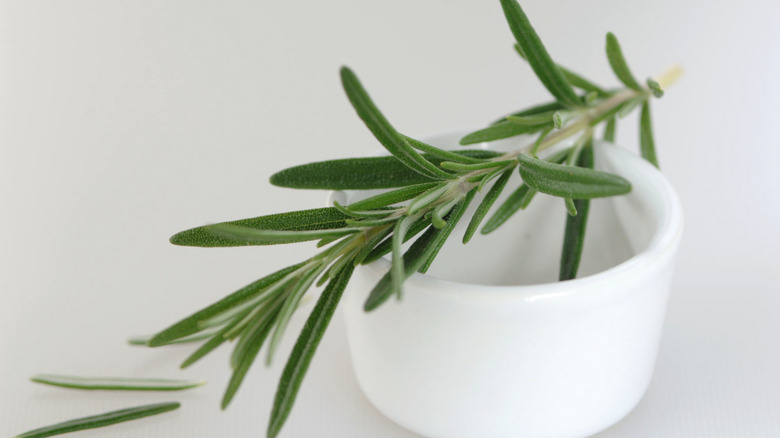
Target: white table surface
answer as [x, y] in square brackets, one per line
[122, 122]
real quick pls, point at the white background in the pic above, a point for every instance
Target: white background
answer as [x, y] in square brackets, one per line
[122, 122]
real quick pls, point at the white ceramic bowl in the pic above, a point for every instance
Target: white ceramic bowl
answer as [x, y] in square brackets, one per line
[489, 344]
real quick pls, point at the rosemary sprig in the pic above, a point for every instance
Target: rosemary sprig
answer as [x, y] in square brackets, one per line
[432, 189]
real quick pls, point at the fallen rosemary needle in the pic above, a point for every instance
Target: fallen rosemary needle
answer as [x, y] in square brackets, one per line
[101, 420]
[116, 383]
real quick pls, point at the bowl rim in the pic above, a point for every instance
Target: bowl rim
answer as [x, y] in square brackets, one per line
[662, 246]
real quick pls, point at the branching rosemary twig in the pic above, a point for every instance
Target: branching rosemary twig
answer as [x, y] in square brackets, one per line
[429, 190]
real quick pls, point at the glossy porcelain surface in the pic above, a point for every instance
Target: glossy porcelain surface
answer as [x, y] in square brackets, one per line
[489, 344]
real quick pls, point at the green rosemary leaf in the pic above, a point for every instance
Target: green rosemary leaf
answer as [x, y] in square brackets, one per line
[452, 220]
[144, 340]
[215, 341]
[534, 119]
[574, 235]
[561, 118]
[537, 55]
[364, 173]
[101, 420]
[394, 142]
[419, 256]
[253, 236]
[570, 207]
[646, 141]
[508, 208]
[580, 82]
[609, 130]
[370, 222]
[519, 199]
[372, 214]
[488, 177]
[537, 109]
[433, 151]
[304, 350]
[655, 87]
[572, 78]
[350, 174]
[485, 205]
[190, 324]
[618, 63]
[570, 182]
[391, 197]
[372, 243]
[288, 308]
[527, 198]
[426, 198]
[500, 130]
[397, 271]
[459, 167]
[303, 220]
[245, 353]
[438, 215]
[387, 245]
[115, 383]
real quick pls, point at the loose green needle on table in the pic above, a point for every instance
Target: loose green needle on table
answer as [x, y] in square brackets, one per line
[116, 383]
[101, 420]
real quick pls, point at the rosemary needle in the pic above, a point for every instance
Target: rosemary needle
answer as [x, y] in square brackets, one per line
[116, 383]
[101, 420]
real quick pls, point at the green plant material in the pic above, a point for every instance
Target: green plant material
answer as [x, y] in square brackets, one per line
[253, 236]
[368, 173]
[561, 118]
[190, 325]
[419, 256]
[499, 131]
[245, 353]
[570, 182]
[207, 347]
[397, 270]
[464, 168]
[432, 189]
[444, 233]
[609, 130]
[391, 197]
[115, 383]
[518, 200]
[384, 212]
[618, 63]
[572, 78]
[427, 198]
[574, 234]
[484, 206]
[394, 142]
[386, 245]
[544, 67]
[570, 207]
[304, 349]
[144, 340]
[646, 141]
[101, 420]
[303, 220]
[534, 119]
[655, 88]
[506, 210]
[433, 151]
[549, 107]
